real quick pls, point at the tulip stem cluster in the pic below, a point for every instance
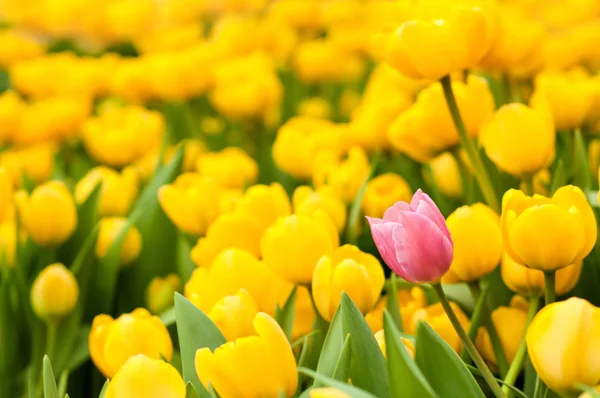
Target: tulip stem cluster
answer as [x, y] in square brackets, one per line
[469, 346]
[517, 363]
[481, 173]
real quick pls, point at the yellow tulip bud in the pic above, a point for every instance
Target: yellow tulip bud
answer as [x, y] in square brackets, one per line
[7, 207]
[519, 140]
[548, 233]
[284, 245]
[409, 300]
[456, 38]
[446, 175]
[510, 325]
[382, 192]
[343, 176]
[54, 293]
[160, 292]
[17, 46]
[530, 282]
[314, 107]
[557, 332]
[348, 270]
[142, 376]
[327, 392]
[259, 365]
[232, 270]
[323, 60]
[594, 157]
[435, 316]
[266, 203]
[308, 201]
[231, 167]
[299, 140]
[8, 243]
[234, 315]
[110, 228]
[12, 108]
[380, 337]
[430, 113]
[192, 202]
[34, 161]
[118, 191]
[113, 341]
[304, 313]
[48, 215]
[230, 230]
[477, 241]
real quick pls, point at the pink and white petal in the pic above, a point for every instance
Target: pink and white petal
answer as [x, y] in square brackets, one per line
[382, 236]
[431, 211]
[393, 212]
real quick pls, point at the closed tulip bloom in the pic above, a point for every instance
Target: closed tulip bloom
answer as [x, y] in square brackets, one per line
[12, 108]
[446, 175]
[548, 233]
[430, 113]
[233, 315]
[519, 140]
[559, 331]
[343, 175]
[315, 107]
[54, 293]
[7, 206]
[285, 246]
[232, 270]
[110, 229]
[161, 291]
[436, 317]
[145, 377]
[192, 202]
[432, 48]
[323, 60]
[510, 325]
[231, 167]
[113, 341]
[8, 243]
[477, 241]
[48, 215]
[34, 161]
[259, 365]
[266, 203]
[530, 282]
[117, 193]
[413, 239]
[382, 192]
[348, 270]
[308, 201]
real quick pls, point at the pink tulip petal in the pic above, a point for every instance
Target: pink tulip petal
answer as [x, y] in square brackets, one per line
[427, 208]
[383, 237]
[393, 212]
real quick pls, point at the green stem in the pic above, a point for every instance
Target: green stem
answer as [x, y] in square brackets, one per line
[479, 297]
[528, 185]
[517, 363]
[550, 282]
[540, 388]
[62, 383]
[481, 174]
[51, 333]
[470, 347]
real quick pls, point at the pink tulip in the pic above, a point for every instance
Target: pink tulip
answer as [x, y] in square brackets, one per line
[413, 239]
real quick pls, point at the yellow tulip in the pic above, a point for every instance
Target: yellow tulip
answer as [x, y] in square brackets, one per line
[430, 113]
[54, 293]
[308, 201]
[160, 292]
[327, 392]
[530, 282]
[314, 107]
[231, 167]
[457, 37]
[17, 46]
[348, 270]
[48, 215]
[510, 325]
[192, 202]
[382, 192]
[477, 242]
[8, 243]
[145, 377]
[230, 230]
[343, 176]
[284, 246]
[259, 365]
[562, 343]
[118, 191]
[110, 229]
[113, 341]
[446, 175]
[34, 161]
[409, 300]
[594, 156]
[266, 203]
[232, 270]
[12, 108]
[323, 60]
[548, 233]
[7, 206]
[234, 314]
[435, 316]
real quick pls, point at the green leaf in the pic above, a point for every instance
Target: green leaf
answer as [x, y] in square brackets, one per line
[80, 351]
[332, 348]
[195, 330]
[406, 379]
[104, 388]
[442, 367]
[342, 367]
[368, 368]
[392, 303]
[590, 390]
[50, 388]
[190, 391]
[559, 178]
[352, 391]
[185, 265]
[285, 315]
[168, 316]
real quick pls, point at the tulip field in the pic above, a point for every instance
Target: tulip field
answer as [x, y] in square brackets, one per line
[299, 198]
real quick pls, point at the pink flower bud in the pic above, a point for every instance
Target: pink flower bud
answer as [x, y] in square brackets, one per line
[413, 239]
